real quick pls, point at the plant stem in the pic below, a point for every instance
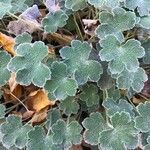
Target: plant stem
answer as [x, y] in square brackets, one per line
[78, 28]
[19, 101]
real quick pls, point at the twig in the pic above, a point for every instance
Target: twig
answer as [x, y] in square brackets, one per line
[19, 101]
[78, 28]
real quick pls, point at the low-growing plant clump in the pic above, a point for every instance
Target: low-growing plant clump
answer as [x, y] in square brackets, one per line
[74, 74]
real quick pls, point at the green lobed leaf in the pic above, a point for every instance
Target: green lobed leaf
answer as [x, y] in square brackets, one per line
[4, 73]
[90, 95]
[114, 93]
[106, 81]
[60, 86]
[14, 133]
[145, 22]
[75, 5]
[66, 134]
[121, 56]
[27, 72]
[23, 38]
[104, 3]
[143, 6]
[38, 140]
[136, 80]
[112, 106]
[142, 122]
[2, 111]
[52, 117]
[18, 6]
[76, 58]
[147, 147]
[146, 45]
[94, 125]
[69, 106]
[5, 7]
[115, 23]
[54, 20]
[122, 136]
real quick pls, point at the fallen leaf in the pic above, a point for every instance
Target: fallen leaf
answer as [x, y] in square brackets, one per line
[17, 113]
[89, 22]
[76, 147]
[7, 43]
[60, 38]
[38, 100]
[23, 25]
[12, 82]
[146, 89]
[14, 88]
[31, 13]
[90, 26]
[51, 5]
[40, 116]
[138, 99]
[28, 114]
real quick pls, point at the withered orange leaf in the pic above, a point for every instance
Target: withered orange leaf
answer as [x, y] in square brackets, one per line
[7, 43]
[40, 116]
[38, 100]
[14, 88]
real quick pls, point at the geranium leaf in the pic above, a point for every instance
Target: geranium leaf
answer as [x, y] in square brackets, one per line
[2, 111]
[114, 23]
[106, 81]
[60, 86]
[52, 117]
[23, 38]
[123, 135]
[27, 72]
[94, 125]
[66, 134]
[5, 7]
[143, 6]
[90, 95]
[147, 147]
[4, 73]
[69, 106]
[146, 45]
[38, 140]
[105, 3]
[136, 80]
[112, 106]
[114, 93]
[18, 6]
[145, 22]
[121, 56]
[54, 20]
[76, 58]
[142, 121]
[14, 133]
[76, 5]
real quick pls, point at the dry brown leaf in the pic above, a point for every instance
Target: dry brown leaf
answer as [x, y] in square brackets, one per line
[76, 147]
[38, 100]
[90, 26]
[60, 38]
[19, 114]
[7, 43]
[12, 82]
[23, 25]
[14, 88]
[28, 114]
[40, 116]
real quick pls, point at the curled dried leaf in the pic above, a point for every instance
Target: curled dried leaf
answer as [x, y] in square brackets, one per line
[38, 100]
[7, 43]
